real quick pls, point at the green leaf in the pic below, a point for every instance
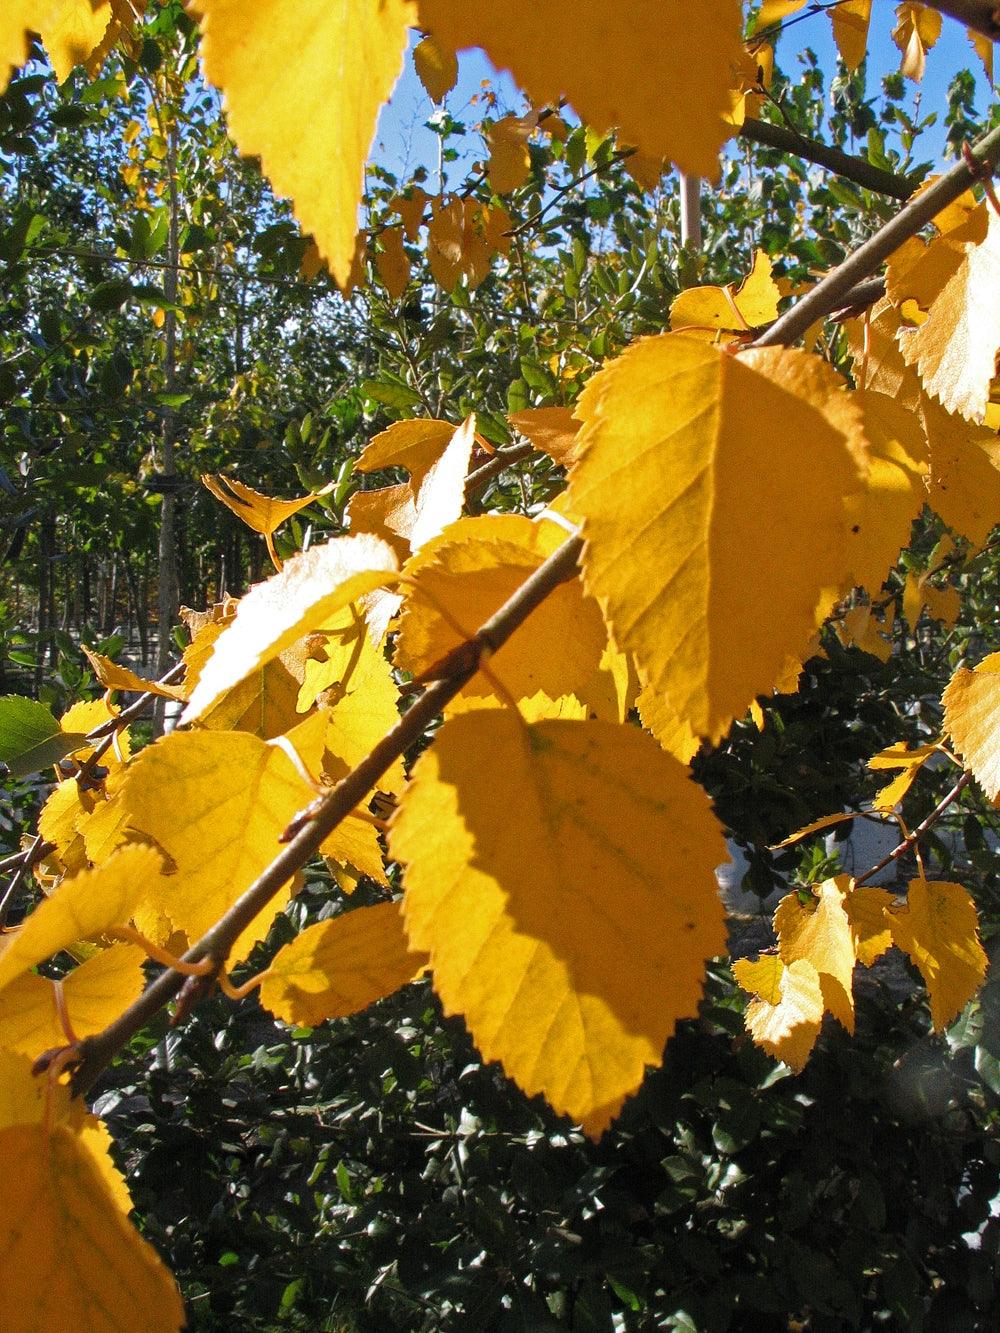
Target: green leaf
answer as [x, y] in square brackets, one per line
[30, 737]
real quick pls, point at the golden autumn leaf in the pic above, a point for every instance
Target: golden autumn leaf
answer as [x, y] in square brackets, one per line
[701, 509]
[70, 30]
[462, 238]
[19, 19]
[983, 48]
[964, 483]
[303, 82]
[867, 912]
[83, 907]
[954, 350]
[69, 1256]
[786, 1012]
[310, 589]
[217, 803]
[564, 889]
[917, 29]
[850, 30]
[415, 445]
[410, 208]
[553, 430]
[657, 70]
[392, 262]
[730, 309]
[115, 677]
[261, 513]
[971, 704]
[340, 966]
[266, 701]
[939, 928]
[860, 628]
[878, 362]
[91, 996]
[437, 68]
[510, 162]
[462, 577]
[910, 762]
[820, 932]
[387, 513]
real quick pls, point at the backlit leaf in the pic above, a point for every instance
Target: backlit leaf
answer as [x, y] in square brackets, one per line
[972, 719]
[939, 928]
[850, 30]
[70, 1258]
[819, 931]
[115, 677]
[341, 966]
[392, 262]
[71, 30]
[695, 529]
[310, 589]
[964, 486]
[303, 82]
[437, 68]
[262, 513]
[867, 912]
[786, 1013]
[917, 29]
[731, 309]
[553, 430]
[909, 761]
[564, 888]
[83, 907]
[415, 445]
[657, 70]
[510, 161]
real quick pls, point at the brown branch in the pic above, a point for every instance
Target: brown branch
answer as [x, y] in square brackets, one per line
[857, 169]
[96, 1052]
[31, 855]
[982, 15]
[919, 831]
[478, 481]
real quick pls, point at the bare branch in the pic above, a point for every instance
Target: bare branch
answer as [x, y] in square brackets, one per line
[857, 169]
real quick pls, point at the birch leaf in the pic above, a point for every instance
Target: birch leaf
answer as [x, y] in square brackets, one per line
[972, 719]
[850, 30]
[415, 445]
[820, 932]
[83, 907]
[115, 677]
[964, 483]
[510, 162]
[303, 82]
[909, 761]
[732, 309]
[786, 1012]
[261, 513]
[694, 530]
[392, 262]
[917, 29]
[659, 71]
[939, 928]
[565, 892]
[437, 68]
[553, 430]
[310, 589]
[341, 966]
[867, 912]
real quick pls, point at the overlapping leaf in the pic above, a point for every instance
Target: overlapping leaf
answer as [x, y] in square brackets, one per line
[115, 677]
[554, 430]
[565, 893]
[786, 1012]
[733, 309]
[939, 928]
[972, 720]
[703, 510]
[819, 931]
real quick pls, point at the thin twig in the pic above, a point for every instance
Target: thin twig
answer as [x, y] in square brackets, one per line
[27, 859]
[919, 831]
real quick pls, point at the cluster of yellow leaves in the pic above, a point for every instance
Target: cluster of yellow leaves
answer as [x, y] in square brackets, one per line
[824, 933]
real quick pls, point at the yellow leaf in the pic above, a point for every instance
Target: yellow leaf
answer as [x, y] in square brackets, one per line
[341, 966]
[971, 704]
[70, 1258]
[262, 513]
[83, 907]
[673, 732]
[265, 702]
[867, 911]
[850, 30]
[909, 761]
[387, 513]
[393, 263]
[964, 486]
[561, 877]
[701, 509]
[437, 68]
[955, 349]
[731, 309]
[939, 928]
[657, 70]
[553, 430]
[816, 826]
[303, 82]
[71, 30]
[786, 1013]
[310, 589]
[462, 577]
[510, 161]
[820, 932]
[860, 628]
[983, 48]
[878, 362]
[410, 208]
[462, 237]
[415, 445]
[918, 28]
[354, 845]
[776, 11]
[92, 995]
[115, 677]
[217, 803]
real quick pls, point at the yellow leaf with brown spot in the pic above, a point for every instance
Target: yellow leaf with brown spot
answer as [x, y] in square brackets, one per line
[340, 966]
[820, 932]
[462, 577]
[553, 430]
[971, 704]
[217, 803]
[82, 908]
[69, 1256]
[939, 928]
[510, 162]
[273, 615]
[437, 68]
[694, 530]
[867, 911]
[786, 1013]
[657, 70]
[93, 994]
[303, 83]
[561, 877]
